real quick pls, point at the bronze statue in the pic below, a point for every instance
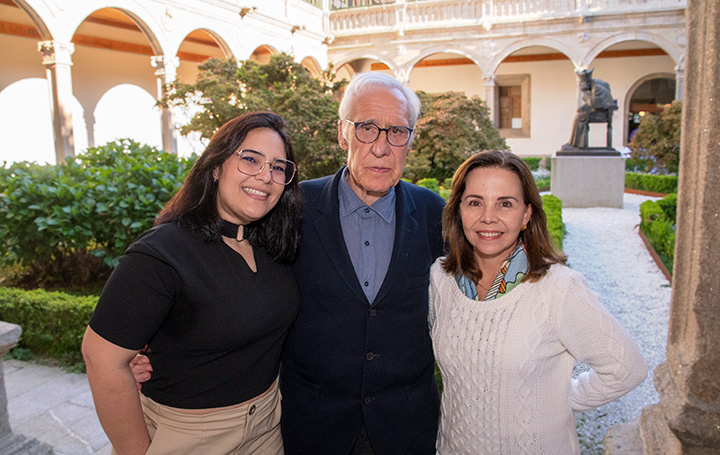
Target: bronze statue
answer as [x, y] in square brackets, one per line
[598, 107]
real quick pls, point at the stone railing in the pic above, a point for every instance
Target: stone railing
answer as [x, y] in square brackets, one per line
[401, 15]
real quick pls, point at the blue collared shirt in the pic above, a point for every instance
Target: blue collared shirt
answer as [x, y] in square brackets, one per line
[369, 232]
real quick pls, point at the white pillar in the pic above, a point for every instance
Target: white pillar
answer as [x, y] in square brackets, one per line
[58, 62]
[679, 81]
[490, 83]
[166, 72]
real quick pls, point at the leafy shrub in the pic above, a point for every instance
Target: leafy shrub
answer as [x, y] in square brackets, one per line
[552, 206]
[657, 141]
[430, 183]
[532, 162]
[664, 184]
[53, 323]
[658, 223]
[69, 223]
[309, 105]
[450, 129]
[543, 183]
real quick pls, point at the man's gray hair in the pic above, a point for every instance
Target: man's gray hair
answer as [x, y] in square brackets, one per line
[363, 81]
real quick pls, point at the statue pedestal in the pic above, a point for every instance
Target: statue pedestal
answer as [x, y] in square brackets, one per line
[588, 177]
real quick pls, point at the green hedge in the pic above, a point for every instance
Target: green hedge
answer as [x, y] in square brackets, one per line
[53, 323]
[430, 183]
[543, 183]
[533, 162]
[69, 223]
[650, 182]
[658, 223]
[552, 206]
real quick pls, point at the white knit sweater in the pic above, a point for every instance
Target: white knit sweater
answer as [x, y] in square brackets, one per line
[507, 364]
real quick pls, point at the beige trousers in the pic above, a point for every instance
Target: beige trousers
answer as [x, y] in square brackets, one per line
[249, 428]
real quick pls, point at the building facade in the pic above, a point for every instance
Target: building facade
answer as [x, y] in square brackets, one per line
[75, 74]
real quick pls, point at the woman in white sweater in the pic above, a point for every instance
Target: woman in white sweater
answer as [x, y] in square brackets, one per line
[508, 320]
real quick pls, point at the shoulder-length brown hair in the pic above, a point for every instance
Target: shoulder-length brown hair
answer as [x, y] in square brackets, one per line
[541, 253]
[195, 204]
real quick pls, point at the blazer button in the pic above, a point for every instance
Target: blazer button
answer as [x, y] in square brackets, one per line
[372, 312]
[367, 399]
[369, 356]
[252, 410]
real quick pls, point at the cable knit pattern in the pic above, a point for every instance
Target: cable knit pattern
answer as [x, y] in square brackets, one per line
[507, 364]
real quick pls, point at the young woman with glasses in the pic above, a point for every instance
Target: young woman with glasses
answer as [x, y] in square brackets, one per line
[209, 293]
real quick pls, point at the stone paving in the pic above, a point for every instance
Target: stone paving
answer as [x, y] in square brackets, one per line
[54, 407]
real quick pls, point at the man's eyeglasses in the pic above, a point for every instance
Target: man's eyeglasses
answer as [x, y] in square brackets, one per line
[368, 132]
[252, 162]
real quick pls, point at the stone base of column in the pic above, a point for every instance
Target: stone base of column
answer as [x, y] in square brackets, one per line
[648, 434]
[588, 180]
[15, 444]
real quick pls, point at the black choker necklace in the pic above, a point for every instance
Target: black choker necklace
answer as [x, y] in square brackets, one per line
[229, 229]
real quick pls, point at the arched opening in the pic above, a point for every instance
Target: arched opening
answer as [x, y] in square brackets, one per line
[111, 49]
[25, 117]
[445, 72]
[127, 111]
[625, 66]
[26, 125]
[198, 46]
[312, 66]
[262, 54]
[648, 97]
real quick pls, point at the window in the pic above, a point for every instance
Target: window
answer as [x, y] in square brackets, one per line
[510, 106]
[513, 105]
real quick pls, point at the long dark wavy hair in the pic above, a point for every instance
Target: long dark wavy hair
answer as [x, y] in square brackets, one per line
[195, 204]
[541, 253]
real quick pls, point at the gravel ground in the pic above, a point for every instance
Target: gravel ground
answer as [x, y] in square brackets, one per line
[603, 244]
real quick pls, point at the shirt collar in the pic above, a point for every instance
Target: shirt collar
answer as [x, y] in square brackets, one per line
[350, 202]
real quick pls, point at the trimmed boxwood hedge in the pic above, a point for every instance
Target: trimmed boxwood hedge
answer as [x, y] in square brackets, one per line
[664, 184]
[53, 323]
[658, 223]
[552, 206]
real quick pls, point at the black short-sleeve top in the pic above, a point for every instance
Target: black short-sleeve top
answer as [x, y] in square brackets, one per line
[215, 328]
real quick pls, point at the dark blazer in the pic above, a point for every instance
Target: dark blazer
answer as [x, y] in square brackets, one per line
[347, 362]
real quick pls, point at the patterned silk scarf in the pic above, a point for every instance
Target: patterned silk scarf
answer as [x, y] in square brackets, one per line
[510, 275]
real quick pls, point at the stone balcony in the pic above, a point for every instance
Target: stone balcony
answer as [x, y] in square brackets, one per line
[401, 16]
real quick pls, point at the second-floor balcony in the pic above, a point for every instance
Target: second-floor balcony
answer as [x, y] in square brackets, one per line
[351, 17]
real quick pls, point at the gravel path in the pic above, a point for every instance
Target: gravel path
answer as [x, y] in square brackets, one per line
[603, 244]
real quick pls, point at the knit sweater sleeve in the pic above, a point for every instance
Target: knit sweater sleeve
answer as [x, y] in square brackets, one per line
[594, 337]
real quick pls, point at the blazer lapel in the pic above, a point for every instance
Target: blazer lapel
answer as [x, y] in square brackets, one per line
[329, 230]
[406, 227]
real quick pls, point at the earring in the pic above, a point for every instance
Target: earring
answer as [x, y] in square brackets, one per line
[524, 227]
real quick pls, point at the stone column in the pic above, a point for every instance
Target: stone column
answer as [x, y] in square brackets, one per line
[13, 444]
[687, 419]
[58, 62]
[679, 81]
[490, 83]
[165, 72]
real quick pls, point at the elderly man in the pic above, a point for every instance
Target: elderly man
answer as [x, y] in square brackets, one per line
[357, 369]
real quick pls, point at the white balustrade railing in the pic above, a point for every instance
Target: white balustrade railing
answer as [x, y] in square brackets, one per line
[404, 15]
